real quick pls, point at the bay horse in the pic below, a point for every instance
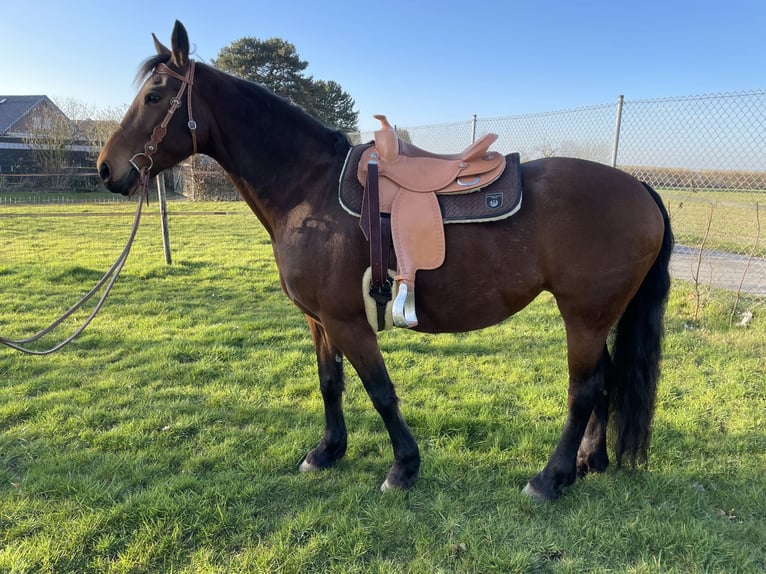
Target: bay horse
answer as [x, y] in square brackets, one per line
[593, 236]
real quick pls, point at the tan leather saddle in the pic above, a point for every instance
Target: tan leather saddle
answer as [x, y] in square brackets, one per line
[409, 183]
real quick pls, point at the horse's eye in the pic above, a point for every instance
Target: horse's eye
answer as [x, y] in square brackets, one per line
[153, 98]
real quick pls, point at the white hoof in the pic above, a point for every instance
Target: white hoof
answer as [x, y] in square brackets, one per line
[387, 486]
[531, 492]
[306, 466]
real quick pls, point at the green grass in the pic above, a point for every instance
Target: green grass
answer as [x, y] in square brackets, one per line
[726, 221]
[22, 195]
[167, 437]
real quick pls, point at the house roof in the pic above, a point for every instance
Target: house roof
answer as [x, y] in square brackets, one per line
[14, 108]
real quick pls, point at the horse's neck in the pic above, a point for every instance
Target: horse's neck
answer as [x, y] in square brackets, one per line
[277, 156]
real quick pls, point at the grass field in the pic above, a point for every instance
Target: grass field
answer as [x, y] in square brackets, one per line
[726, 221]
[167, 437]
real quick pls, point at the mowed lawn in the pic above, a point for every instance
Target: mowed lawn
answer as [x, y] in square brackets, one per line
[167, 438]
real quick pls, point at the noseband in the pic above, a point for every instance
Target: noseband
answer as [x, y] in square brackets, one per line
[158, 134]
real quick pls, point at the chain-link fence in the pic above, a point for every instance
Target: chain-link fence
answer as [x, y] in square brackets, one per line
[697, 143]
[694, 142]
[705, 154]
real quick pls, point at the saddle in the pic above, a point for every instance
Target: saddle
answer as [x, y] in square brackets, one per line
[407, 195]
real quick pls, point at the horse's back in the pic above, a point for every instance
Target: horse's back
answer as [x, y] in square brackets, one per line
[578, 187]
[580, 207]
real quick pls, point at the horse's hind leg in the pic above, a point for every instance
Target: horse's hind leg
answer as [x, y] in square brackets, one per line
[592, 455]
[330, 364]
[586, 384]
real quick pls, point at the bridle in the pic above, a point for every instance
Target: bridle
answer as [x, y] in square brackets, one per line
[159, 132]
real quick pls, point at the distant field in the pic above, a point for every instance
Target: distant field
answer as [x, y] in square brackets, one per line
[701, 180]
[37, 196]
[739, 198]
[727, 221]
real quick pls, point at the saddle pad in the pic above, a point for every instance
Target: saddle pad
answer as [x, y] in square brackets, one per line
[499, 200]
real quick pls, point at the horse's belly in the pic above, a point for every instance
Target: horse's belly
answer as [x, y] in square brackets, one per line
[490, 272]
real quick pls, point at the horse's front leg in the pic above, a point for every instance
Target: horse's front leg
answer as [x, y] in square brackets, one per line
[332, 447]
[586, 384]
[360, 346]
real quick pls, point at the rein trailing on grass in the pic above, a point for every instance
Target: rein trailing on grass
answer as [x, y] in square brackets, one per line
[109, 279]
[150, 148]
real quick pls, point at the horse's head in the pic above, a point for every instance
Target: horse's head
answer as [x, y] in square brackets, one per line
[156, 132]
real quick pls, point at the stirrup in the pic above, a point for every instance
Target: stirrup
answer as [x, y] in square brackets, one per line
[404, 308]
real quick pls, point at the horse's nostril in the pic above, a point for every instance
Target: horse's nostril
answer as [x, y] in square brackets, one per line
[104, 172]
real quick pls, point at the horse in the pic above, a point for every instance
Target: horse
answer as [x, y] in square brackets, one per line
[593, 236]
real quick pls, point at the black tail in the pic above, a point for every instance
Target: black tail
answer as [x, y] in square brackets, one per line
[636, 354]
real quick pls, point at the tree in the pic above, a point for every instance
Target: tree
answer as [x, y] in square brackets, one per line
[95, 126]
[49, 133]
[275, 64]
[62, 137]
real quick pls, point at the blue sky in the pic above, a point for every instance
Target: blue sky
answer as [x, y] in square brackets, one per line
[420, 63]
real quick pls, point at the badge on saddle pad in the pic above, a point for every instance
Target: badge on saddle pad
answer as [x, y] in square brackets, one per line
[493, 200]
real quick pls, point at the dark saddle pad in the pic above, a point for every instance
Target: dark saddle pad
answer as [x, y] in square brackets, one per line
[499, 200]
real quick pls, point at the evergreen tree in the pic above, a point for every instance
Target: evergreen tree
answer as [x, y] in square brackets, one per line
[275, 64]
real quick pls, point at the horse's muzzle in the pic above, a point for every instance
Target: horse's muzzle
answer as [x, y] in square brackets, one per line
[105, 173]
[123, 186]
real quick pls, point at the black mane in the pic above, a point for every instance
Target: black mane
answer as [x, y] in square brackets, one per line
[276, 100]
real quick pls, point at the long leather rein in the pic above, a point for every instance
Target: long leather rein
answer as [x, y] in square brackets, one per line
[109, 278]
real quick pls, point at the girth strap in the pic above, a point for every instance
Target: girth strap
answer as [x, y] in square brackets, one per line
[378, 230]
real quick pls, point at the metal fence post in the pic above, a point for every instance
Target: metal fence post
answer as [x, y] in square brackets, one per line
[473, 129]
[164, 217]
[617, 122]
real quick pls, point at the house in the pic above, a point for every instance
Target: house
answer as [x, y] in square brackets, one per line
[30, 127]
[22, 114]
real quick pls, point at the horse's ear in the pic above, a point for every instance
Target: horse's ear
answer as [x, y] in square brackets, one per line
[179, 39]
[161, 48]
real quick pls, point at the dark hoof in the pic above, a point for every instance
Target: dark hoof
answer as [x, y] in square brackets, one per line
[321, 457]
[399, 478]
[594, 462]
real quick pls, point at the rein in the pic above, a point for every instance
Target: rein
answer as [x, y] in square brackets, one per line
[109, 278]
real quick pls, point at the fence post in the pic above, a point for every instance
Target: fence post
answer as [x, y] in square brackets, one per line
[473, 129]
[617, 122]
[164, 217]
